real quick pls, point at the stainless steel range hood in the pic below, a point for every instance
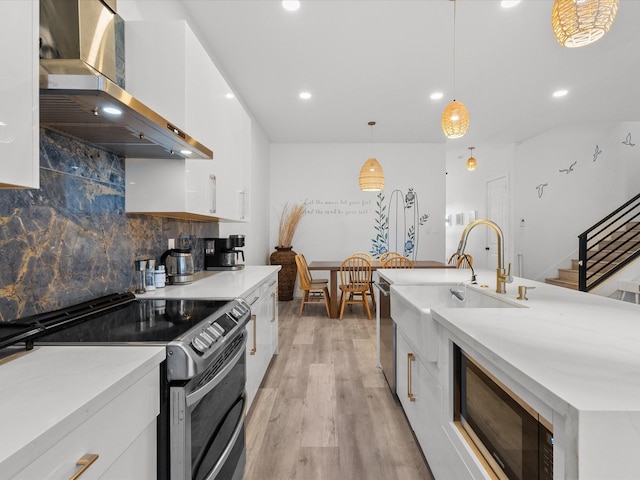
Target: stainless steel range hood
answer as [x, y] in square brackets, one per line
[78, 89]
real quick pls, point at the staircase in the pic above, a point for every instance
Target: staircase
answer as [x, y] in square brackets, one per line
[567, 277]
[607, 249]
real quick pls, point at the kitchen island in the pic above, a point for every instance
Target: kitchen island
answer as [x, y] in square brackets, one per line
[570, 355]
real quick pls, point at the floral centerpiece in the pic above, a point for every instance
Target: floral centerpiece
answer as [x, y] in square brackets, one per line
[284, 254]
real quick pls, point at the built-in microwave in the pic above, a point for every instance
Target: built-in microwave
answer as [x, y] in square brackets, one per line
[511, 439]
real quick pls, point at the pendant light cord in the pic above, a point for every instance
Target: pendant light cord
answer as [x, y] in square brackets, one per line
[454, 49]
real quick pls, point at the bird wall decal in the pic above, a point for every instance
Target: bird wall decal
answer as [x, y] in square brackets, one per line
[540, 189]
[596, 153]
[627, 140]
[570, 169]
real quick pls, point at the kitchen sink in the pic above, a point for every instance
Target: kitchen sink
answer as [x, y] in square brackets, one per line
[434, 296]
[411, 307]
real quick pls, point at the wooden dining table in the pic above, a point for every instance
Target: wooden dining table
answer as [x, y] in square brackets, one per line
[333, 267]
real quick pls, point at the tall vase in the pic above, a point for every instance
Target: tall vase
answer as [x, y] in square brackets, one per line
[285, 257]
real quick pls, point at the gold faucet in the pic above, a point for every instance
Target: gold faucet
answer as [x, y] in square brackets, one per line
[502, 276]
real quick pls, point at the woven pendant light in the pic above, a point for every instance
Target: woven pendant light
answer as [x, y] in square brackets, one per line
[471, 162]
[371, 175]
[577, 23]
[455, 117]
[455, 120]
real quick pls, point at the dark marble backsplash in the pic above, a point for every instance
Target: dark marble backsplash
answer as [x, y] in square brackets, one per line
[71, 240]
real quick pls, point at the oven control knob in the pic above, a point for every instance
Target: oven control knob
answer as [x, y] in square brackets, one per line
[218, 328]
[206, 339]
[213, 332]
[198, 345]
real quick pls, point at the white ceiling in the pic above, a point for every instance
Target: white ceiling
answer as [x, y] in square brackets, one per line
[381, 59]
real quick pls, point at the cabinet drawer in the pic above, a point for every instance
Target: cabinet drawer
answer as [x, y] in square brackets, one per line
[108, 433]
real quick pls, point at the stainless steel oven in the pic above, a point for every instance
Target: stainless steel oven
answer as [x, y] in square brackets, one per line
[207, 419]
[202, 380]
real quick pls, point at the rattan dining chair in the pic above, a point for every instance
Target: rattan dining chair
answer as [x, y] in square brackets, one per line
[461, 261]
[386, 255]
[355, 282]
[313, 291]
[371, 292]
[363, 255]
[397, 262]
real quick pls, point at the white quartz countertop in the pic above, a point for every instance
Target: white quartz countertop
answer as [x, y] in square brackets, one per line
[572, 348]
[410, 276]
[49, 391]
[217, 285]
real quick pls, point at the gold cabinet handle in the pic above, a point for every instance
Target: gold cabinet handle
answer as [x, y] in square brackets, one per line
[410, 358]
[85, 462]
[255, 332]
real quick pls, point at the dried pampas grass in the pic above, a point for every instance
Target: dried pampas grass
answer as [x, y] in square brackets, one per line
[289, 220]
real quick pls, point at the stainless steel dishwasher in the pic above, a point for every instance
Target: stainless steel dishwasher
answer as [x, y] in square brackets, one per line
[387, 334]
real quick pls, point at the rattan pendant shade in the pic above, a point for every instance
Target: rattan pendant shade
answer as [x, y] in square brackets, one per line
[371, 176]
[471, 162]
[455, 120]
[577, 23]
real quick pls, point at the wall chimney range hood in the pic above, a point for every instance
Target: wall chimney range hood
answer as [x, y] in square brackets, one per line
[81, 88]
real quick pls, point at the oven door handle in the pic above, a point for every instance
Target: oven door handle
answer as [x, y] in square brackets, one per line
[196, 395]
[227, 450]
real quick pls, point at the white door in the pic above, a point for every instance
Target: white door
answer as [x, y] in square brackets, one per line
[497, 212]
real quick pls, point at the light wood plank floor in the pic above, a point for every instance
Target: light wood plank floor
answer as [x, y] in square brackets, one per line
[324, 410]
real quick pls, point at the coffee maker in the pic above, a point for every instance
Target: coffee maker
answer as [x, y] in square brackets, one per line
[222, 253]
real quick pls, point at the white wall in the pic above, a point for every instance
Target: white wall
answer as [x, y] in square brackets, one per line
[556, 205]
[467, 192]
[340, 218]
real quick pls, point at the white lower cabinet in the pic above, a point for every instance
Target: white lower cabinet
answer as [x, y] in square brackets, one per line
[421, 399]
[122, 435]
[260, 348]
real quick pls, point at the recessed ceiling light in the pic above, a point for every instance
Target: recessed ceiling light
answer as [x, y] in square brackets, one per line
[230, 95]
[112, 110]
[560, 93]
[436, 95]
[509, 3]
[186, 152]
[291, 5]
[305, 95]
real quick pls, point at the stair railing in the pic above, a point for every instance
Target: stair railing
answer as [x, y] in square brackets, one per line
[619, 230]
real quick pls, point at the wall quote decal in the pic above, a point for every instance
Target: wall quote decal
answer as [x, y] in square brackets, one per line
[341, 207]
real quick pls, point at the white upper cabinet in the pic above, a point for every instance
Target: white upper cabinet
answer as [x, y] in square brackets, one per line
[171, 188]
[170, 71]
[19, 102]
